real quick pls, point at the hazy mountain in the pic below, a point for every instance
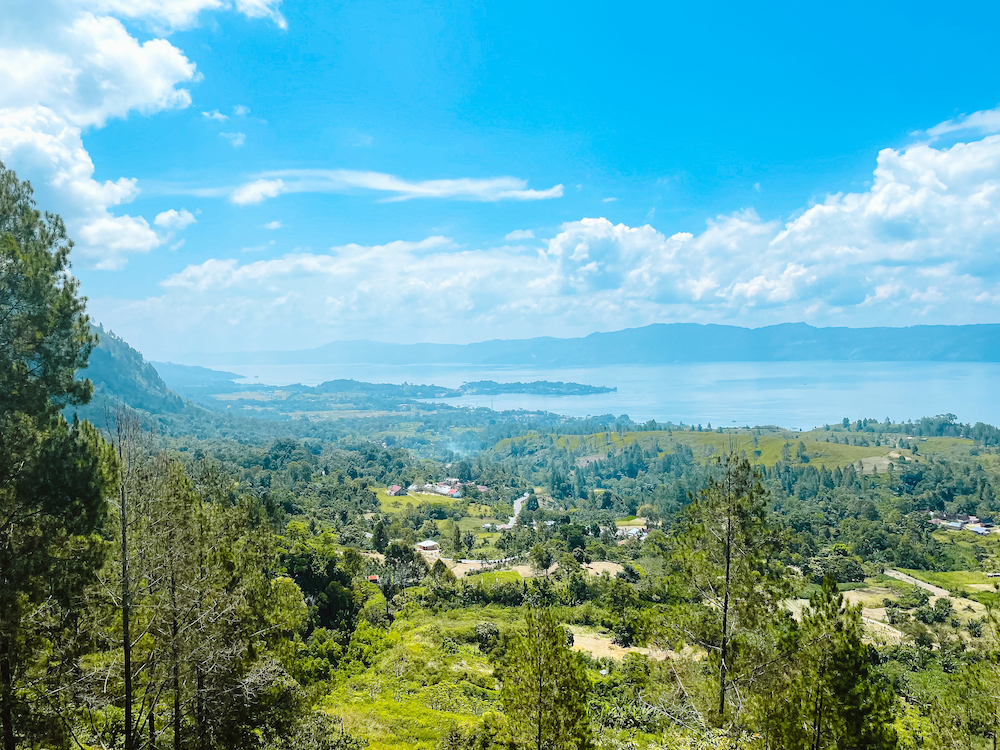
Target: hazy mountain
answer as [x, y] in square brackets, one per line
[664, 343]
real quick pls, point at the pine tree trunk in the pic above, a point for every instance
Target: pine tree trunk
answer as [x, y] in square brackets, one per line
[723, 666]
[818, 713]
[126, 616]
[541, 696]
[6, 695]
[174, 631]
[200, 709]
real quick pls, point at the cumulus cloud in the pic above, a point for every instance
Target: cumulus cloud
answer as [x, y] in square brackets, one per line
[70, 65]
[257, 191]
[918, 246]
[273, 184]
[276, 224]
[174, 219]
[520, 234]
[215, 115]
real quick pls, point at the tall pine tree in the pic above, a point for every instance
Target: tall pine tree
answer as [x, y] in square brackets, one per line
[545, 688]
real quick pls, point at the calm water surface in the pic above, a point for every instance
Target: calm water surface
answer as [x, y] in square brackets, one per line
[789, 394]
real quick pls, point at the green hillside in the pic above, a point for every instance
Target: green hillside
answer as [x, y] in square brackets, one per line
[120, 373]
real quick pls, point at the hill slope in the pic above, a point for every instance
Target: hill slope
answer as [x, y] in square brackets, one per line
[119, 372]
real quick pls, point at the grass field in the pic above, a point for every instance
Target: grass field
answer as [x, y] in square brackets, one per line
[950, 580]
[390, 724]
[945, 444]
[388, 504]
[707, 445]
[968, 584]
[500, 576]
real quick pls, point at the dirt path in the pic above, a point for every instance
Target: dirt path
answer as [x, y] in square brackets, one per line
[599, 647]
[934, 590]
[883, 629]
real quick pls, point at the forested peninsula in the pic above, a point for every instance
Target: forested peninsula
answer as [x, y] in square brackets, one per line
[428, 576]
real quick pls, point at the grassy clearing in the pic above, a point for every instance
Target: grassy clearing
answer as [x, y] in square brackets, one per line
[427, 675]
[945, 444]
[497, 577]
[950, 580]
[707, 445]
[967, 584]
[390, 724]
[388, 504]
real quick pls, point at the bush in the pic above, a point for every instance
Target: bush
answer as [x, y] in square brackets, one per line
[487, 636]
[320, 731]
[915, 597]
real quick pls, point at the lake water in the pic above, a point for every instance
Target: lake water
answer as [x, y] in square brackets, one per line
[790, 394]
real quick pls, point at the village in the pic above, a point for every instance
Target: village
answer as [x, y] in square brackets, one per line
[962, 522]
[629, 530]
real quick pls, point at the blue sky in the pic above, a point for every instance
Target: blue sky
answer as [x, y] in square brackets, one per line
[255, 174]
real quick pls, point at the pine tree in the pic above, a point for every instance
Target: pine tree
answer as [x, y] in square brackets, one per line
[828, 696]
[53, 476]
[726, 550]
[545, 688]
[380, 537]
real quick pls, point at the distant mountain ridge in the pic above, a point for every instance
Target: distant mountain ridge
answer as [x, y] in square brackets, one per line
[662, 343]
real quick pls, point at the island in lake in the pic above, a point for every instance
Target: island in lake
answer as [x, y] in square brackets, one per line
[220, 391]
[536, 387]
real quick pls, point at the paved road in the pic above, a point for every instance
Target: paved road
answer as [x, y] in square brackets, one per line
[518, 504]
[934, 590]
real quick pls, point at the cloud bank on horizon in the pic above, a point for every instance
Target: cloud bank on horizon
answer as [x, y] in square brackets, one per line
[919, 245]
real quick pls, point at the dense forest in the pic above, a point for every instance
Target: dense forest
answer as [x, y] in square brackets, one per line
[442, 577]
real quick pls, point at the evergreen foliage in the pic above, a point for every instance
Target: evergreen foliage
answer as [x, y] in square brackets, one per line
[545, 688]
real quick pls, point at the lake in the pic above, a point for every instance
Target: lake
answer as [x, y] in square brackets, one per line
[790, 394]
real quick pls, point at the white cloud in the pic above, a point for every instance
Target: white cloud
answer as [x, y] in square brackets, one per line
[257, 191]
[39, 142]
[91, 69]
[235, 139]
[262, 9]
[918, 246]
[215, 115]
[117, 236]
[276, 224]
[69, 65]
[241, 111]
[174, 219]
[520, 234]
[986, 121]
[608, 200]
[182, 14]
[272, 184]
